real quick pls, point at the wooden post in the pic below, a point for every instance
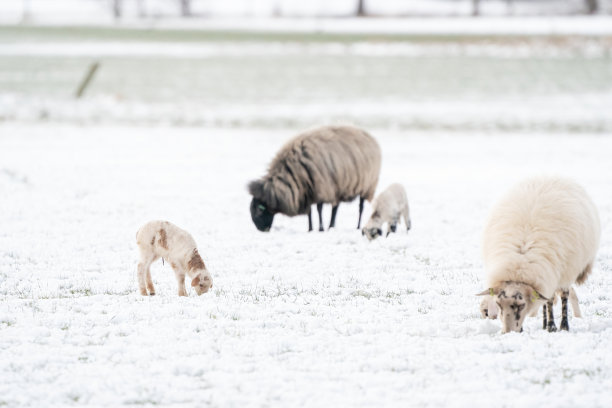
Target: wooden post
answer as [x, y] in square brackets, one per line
[88, 77]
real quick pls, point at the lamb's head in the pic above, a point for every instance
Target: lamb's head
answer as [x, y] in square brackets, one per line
[373, 228]
[488, 308]
[515, 301]
[202, 282]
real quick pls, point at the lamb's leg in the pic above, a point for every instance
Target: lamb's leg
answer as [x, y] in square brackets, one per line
[180, 278]
[564, 321]
[544, 324]
[332, 223]
[361, 199]
[320, 211]
[551, 319]
[144, 270]
[393, 225]
[406, 215]
[142, 285]
[150, 283]
[573, 298]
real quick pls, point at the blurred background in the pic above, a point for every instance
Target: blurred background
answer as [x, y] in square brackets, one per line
[25, 9]
[424, 65]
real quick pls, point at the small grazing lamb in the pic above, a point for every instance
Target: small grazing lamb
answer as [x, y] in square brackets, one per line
[388, 207]
[542, 237]
[489, 309]
[162, 239]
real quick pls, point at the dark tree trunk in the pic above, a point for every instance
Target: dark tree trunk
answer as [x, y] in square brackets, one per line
[592, 6]
[141, 9]
[361, 8]
[475, 7]
[185, 8]
[25, 15]
[117, 8]
[510, 7]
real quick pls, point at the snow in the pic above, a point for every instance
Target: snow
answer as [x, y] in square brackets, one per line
[295, 318]
[174, 126]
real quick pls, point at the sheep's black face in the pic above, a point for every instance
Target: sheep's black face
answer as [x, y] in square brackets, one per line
[261, 215]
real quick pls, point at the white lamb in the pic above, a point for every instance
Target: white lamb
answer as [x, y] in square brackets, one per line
[489, 309]
[542, 237]
[388, 207]
[162, 239]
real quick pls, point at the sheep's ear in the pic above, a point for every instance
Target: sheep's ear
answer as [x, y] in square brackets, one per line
[255, 188]
[490, 292]
[195, 281]
[535, 295]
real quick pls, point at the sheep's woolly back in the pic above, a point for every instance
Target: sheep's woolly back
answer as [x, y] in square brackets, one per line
[544, 232]
[325, 165]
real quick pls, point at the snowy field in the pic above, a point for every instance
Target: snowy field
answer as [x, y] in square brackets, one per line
[294, 318]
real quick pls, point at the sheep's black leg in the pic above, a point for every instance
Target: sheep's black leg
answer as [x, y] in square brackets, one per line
[551, 319]
[320, 211]
[332, 223]
[360, 211]
[309, 222]
[564, 322]
[544, 316]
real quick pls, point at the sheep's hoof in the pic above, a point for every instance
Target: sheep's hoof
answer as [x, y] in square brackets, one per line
[552, 328]
[321, 229]
[564, 326]
[152, 294]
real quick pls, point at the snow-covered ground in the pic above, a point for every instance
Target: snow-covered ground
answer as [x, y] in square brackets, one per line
[174, 126]
[295, 318]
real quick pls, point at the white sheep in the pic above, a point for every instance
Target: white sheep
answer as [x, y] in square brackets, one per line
[489, 309]
[541, 237]
[161, 239]
[388, 207]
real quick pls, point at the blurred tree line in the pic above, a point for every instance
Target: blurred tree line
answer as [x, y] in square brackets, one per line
[361, 7]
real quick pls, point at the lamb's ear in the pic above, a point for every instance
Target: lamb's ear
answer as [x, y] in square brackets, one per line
[490, 292]
[255, 188]
[195, 281]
